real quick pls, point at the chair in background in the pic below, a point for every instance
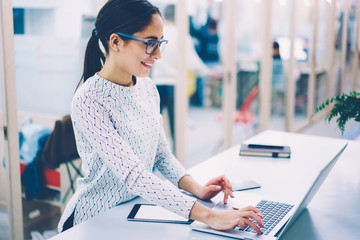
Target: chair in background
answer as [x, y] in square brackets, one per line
[244, 115]
[60, 148]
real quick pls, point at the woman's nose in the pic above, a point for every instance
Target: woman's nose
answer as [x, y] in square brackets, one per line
[157, 53]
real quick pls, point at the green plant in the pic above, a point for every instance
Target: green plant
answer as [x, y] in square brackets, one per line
[346, 107]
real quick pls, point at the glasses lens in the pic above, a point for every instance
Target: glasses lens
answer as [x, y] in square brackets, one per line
[151, 46]
[162, 45]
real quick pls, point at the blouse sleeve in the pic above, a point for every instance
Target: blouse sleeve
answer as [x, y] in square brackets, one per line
[166, 162]
[94, 123]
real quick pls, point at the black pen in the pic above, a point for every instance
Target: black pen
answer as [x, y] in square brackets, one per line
[265, 146]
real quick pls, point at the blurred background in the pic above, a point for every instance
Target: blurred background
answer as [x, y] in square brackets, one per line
[230, 70]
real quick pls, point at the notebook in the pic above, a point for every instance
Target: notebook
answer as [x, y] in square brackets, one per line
[278, 216]
[265, 150]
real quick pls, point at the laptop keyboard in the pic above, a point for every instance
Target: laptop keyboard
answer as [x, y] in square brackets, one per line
[272, 213]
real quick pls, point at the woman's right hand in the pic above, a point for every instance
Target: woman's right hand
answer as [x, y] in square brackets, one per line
[227, 220]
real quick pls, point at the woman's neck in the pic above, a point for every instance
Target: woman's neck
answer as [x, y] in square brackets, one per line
[118, 77]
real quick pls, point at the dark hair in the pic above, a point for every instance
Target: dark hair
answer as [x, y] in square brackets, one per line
[276, 45]
[126, 16]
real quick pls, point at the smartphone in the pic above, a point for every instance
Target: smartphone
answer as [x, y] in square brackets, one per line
[245, 185]
[154, 213]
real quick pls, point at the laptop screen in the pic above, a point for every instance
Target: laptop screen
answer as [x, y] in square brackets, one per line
[311, 192]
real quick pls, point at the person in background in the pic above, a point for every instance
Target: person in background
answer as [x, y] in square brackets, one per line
[209, 40]
[278, 83]
[119, 132]
[276, 50]
[165, 72]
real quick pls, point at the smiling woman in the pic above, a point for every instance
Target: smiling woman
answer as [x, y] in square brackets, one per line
[121, 17]
[119, 131]
[133, 55]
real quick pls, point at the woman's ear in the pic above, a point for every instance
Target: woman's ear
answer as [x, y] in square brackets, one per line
[115, 42]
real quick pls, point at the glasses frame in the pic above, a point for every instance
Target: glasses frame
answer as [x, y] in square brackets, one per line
[145, 41]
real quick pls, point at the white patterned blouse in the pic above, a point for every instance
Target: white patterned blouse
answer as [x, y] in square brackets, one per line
[120, 139]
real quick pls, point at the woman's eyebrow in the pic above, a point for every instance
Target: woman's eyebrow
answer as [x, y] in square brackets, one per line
[154, 38]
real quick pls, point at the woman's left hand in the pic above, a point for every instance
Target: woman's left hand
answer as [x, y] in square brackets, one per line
[216, 185]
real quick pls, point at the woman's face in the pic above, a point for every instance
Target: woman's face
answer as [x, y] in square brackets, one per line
[133, 57]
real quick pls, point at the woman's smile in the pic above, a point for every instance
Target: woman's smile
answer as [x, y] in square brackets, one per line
[147, 65]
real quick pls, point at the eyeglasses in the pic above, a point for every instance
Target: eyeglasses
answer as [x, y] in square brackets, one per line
[151, 45]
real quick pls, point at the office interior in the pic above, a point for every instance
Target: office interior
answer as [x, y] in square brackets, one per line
[267, 64]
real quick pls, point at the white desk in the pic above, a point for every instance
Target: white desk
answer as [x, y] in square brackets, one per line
[332, 214]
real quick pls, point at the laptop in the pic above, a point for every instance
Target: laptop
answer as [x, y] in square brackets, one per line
[278, 216]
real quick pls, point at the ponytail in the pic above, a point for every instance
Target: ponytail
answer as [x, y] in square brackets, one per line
[94, 59]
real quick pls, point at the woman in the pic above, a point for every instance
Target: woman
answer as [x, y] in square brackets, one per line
[118, 126]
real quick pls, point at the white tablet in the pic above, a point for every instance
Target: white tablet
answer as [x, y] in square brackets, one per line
[153, 213]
